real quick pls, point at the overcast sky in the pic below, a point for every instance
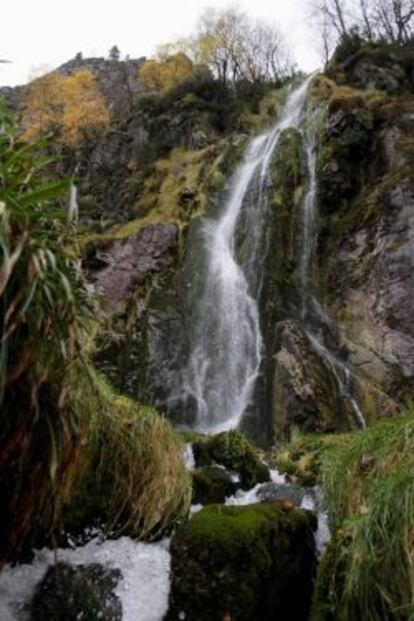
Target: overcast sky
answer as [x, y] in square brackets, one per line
[45, 33]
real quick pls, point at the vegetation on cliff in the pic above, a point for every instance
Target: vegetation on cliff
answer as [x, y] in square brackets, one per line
[70, 109]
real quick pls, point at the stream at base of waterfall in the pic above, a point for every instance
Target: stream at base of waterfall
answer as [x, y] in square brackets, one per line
[144, 587]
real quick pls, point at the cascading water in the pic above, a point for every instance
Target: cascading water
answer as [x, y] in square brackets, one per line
[226, 339]
[312, 312]
[73, 207]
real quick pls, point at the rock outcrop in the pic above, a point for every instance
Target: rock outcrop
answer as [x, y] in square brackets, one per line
[306, 392]
[137, 279]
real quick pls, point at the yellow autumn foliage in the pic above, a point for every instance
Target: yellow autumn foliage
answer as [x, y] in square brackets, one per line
[162, 74]
[71, 108]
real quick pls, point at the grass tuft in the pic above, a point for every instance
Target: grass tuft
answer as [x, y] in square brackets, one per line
[367, 571]
[130, 475]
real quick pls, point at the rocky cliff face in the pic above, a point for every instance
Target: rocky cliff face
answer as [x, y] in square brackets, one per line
[362, 274]
[163, 164]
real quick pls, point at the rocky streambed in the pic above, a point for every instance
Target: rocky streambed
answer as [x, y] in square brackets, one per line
[251, 542]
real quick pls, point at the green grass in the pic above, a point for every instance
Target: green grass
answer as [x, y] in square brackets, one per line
[367, 572]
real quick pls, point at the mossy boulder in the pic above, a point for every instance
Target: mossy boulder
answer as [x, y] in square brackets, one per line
[67, 593]
[233, 451]
[243, 563]
[212, 484]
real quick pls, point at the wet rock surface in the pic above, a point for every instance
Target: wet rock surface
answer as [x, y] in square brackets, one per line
[127, 263]
[306, 394]
[69, 593]
[270, 492]
[211, 485]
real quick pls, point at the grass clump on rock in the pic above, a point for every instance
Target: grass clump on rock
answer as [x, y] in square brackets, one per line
[243, 562]
[130, 476]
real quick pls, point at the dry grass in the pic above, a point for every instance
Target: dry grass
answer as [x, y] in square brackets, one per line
[134, 459]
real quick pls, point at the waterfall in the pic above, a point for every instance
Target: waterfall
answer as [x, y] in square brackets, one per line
[226, 342]
[73, 207]
[312, 313]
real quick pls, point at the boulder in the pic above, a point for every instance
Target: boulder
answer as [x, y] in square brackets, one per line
[69, 593]
[270, 492]
[243, 563]
[212, 484]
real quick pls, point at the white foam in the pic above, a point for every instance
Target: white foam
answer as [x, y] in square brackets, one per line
[143, 590]
[188, 456]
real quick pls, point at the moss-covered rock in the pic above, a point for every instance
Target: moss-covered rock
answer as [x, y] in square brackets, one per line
[212, 484]
[243, 563]
[67, 593]
[232, 450]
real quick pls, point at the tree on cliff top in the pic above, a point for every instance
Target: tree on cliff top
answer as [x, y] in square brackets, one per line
[165, 71]
[231, 45]
[236, 48]
[114, 53]
[70, 108]
[391, 21]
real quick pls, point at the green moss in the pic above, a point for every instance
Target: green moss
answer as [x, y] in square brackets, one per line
[232, 450]
[245, 562]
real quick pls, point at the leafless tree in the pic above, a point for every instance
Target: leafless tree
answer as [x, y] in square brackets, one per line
[389, 20]
[237, 48]
[366, 19]
[265, 54]
[395, 19]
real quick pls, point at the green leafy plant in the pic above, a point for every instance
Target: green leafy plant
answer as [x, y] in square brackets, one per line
[43, 308]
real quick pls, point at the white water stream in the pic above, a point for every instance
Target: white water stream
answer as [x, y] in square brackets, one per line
[143, 590]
